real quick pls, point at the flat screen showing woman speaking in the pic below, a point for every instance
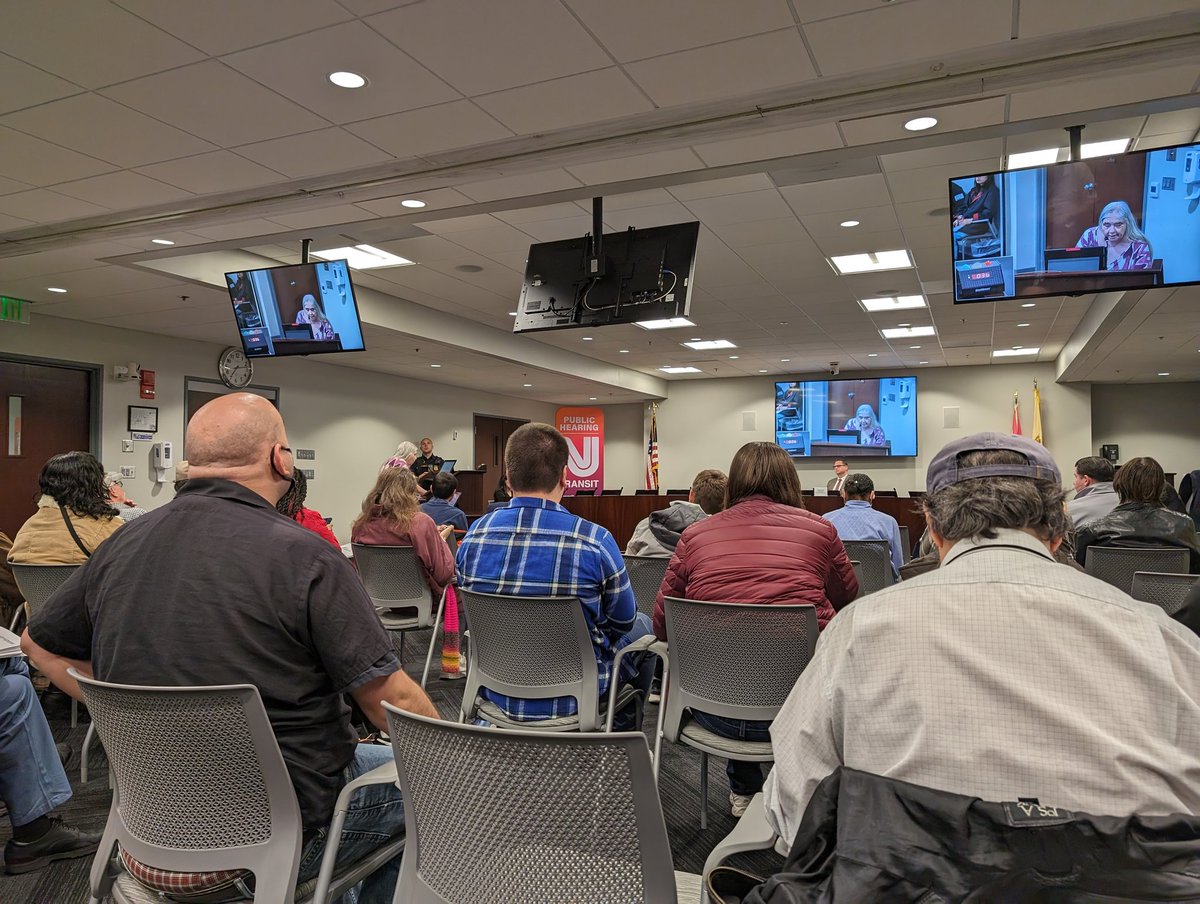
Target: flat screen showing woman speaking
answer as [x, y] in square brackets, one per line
[840, 418]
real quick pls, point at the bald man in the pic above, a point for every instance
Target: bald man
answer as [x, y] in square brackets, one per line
[217, 588]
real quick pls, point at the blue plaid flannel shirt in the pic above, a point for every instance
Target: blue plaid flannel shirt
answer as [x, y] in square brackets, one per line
[534, 547]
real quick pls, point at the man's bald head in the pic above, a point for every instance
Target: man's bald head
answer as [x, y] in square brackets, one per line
[232, 433]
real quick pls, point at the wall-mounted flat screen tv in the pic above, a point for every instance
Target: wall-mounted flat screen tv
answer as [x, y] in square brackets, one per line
[847, 418]
[647, 275]
[300, 309]
[1127, 221]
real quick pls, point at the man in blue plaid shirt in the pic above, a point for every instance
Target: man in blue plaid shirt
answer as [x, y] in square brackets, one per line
[535, 547]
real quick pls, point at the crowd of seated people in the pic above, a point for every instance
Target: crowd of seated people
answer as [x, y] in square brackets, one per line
[889, 691]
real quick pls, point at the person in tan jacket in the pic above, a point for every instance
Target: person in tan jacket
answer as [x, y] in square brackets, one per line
[73, 515]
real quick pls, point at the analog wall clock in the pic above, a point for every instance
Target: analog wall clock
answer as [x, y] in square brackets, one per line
[234, 368]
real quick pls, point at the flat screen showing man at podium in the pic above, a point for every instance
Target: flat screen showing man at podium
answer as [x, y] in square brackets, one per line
[840, 418]
[1108, 223]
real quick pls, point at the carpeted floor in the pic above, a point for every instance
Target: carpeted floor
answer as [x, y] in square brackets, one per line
[679, 778]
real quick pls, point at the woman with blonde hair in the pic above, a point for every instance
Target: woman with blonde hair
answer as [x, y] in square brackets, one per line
[1118, 233]
[391, 516]
[406, 453]
[311, 315]
[867, 425]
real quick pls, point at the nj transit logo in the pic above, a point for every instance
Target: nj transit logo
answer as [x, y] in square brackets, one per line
[584, 430]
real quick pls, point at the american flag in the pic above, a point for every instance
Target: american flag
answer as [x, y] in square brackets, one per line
[652, 453]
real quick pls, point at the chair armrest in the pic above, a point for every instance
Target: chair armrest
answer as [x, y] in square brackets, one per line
[380, 775]
[645, 642]
[752, 833]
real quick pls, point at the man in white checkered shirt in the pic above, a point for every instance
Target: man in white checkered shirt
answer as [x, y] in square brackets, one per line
[1002, 674]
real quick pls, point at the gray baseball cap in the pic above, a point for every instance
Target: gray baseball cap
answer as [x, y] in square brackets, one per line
[944, 470]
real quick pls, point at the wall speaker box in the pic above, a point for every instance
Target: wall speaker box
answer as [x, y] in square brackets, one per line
[950, 417]
[749, 421]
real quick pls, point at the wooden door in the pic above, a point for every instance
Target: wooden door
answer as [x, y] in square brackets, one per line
[491, 436]
[55, 412]
[1075, 195]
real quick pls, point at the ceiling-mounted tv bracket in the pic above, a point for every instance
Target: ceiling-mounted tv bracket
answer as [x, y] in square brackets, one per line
[305, 244]
[1075, 135]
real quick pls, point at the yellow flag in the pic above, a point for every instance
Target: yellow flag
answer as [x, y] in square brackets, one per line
[1037, 414]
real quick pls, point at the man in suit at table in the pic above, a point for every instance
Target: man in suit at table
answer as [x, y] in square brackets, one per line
[840, 470]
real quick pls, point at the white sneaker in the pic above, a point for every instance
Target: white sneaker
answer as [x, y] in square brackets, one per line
[739, 803]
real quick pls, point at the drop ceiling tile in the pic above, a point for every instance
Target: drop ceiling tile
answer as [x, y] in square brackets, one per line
[930, 28]
[1126, 87]
[712, 188]
[121, 190]
[445, 126]
[97, 126]
[932, 183]
[855, 192]
[314, 153]
[553, 230]
[569, 101]
[537, 214]
[238, 229]
[22, 85]
[953, 118]
[298, 68]
[8, 186]
[10, 222]
[743, 208]
[1168, 123]
[665, 28]
[91, 44]
[645, 217]
[451, 225]
[223, 26]
[435, 199]
[496, 237]
[761, 232]
[218, 104]
[425, 249]
[771, 145]
[519, 186]
[642, 166]
[654, 197]
[323, 216]
[219, 171]
[1037, 19]
[948, 155]
[504, 44]
[764, 61]
[38, 162]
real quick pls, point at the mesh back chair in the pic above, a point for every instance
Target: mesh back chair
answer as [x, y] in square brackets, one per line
[617, 492]
[1166, 590]
[394, 580]
[646, 575]
[1116, 565]
[684, 492]
[876, 559]
[905, 545]
[886, 493]
[535, 648]
[858, 572]
[645, 492]
[734, 660]
[537, 817]
[201, 786]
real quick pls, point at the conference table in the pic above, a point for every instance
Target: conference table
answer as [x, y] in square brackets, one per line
[620, 514]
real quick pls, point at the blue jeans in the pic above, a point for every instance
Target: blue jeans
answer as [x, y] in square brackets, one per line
[744, 778]
[32, 779]
[637, 669]
[376, 816]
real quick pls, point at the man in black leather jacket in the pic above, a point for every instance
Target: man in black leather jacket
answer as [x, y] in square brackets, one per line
[1140, 519]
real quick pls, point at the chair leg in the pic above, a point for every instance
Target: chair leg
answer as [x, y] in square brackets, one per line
[87, 745]
[437, 620]
[74, 712]
[703, 790]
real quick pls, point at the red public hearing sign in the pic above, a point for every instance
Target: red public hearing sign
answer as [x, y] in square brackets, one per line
[584, 430]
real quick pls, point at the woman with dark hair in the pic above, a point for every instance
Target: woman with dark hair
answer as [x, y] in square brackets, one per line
[73, 515]
[391, 516]
[763, 548]
[291, 504]
[981, 204]
[1140, 519]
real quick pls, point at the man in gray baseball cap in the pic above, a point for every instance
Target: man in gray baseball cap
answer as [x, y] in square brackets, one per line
[1002, 674]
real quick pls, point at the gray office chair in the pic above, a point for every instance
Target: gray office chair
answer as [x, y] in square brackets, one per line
[201, 786]
[1117, 565]
[1166, 590]
[535, 648]
[527, 816]
[905, 545]
[646, 575]
[735, 660]
[876, 559]
[394, 580]
[858, 573]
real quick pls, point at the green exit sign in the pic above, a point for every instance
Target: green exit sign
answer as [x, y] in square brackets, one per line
[14, 310]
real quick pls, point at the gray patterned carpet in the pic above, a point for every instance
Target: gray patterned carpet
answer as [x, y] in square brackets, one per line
[67, 882]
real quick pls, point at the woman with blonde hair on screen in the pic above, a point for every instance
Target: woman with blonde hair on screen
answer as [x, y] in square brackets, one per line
[867, 425]
[1118, 233]
[311, 315]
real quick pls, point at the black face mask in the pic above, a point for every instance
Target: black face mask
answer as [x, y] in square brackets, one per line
[290, 478]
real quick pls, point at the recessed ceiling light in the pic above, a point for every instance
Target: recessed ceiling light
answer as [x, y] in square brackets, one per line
[414, 203]
[667, 323]
[908, 332]
[527, 385]
[762, 371]
[733, 357]
[469, 268]
[591, 398]
[1022, 324]
[870, 262]
[848, 224]
[922, 362]
[873, 355]
[512, 313]
[1103, 148]
[901, 303]
[914, 346]
[56, 290]
[347, 79]
[435, 365]
[587, 338]
[1044, 157]
[920, 124]
[1014, 352]
[1163, 373]
[696, 339]
[705, 345]
[680, 370]
[906, 324]
[364, 257]
[162, 241]
[1029, 304]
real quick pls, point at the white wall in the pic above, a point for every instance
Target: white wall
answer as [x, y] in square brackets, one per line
[1161, 420]
[352, 418]
[700, 423]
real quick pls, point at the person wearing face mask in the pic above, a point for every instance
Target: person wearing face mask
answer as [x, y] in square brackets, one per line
[260, 600]
[1118, 233]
